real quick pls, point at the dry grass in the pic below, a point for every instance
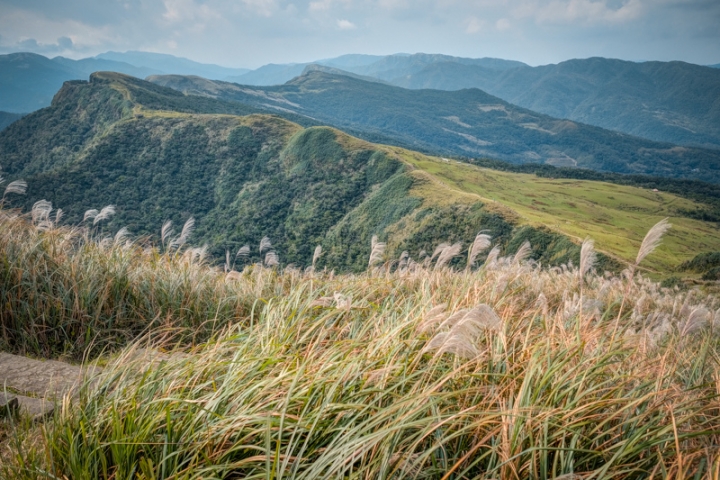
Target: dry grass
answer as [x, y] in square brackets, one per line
[505, 371]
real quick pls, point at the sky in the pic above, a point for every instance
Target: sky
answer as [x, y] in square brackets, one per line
[251, 33]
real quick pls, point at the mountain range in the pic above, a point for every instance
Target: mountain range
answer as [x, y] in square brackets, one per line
[671, 102]
[244, 173]
[467, 122]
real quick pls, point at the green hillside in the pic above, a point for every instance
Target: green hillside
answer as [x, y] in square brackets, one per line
[470, 123]
[245, 175]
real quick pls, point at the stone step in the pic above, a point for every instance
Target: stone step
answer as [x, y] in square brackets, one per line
[39, 378]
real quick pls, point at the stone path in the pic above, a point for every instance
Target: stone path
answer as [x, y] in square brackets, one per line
[33, 386]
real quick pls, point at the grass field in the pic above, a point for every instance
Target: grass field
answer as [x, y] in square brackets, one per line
[615, 216]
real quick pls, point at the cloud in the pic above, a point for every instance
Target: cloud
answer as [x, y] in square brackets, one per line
[502, 24]
[346, 25]
[475, 25]
[574, 11]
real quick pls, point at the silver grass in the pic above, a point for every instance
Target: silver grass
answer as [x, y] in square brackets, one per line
[227, 261]
[439, 249]
[18, 187]
[244, 251]
[41, 211]
[342, 302]
[434, 317]
[588, 257]
[271, 259]
[523, 253]
[58, 215]
[121, 235]
[492, 257]
[448, 342]
[166, 231]
[188, 227]
[316, 255]
[479, 245]
[652, 240]
[376, 252]
[90, 214]
[265, 244]
[447, 255]
[104, 214]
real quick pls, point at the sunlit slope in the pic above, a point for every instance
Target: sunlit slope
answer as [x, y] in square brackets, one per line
[615, 216]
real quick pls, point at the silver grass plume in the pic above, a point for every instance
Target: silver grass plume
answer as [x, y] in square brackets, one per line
[58, 215]
[90, 214]
[271, 259]
[104, 214]
[244, 251]
[377, 250]
[448, 254]
[121, 235]
[41, 211]
[187, 230]
[588, 257]
[316, 255]
[652, 240]
[434, 317]
[492, 257]
[18, 187]
[265, 244]
[439, 249]
[523, 253]
[227, 261]
[479, 245]
[166, 231]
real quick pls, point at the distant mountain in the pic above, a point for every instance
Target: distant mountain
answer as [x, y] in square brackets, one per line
[170, 64]
[673, 102]
[385, 67]
[717, 65]
[7, 118]
[29, 81]
[467, 122]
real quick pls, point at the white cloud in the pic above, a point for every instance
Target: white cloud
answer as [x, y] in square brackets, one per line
[574, 11]
[502, 24]
[475, 25]
[346, 25]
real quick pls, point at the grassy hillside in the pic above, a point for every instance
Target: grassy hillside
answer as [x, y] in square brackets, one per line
[124, 142]
[468, 122]
[502, 371]
[672, 102]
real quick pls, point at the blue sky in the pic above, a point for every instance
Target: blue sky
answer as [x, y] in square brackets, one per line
[250, 33]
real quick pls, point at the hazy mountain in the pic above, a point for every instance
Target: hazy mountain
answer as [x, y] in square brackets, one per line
[383, 67]
[466, 122]
[717, 65]
[171, 64]
[28, 81]
[6, 118]
[665, 101]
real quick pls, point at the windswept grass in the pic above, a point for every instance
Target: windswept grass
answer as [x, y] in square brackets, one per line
[406, 371]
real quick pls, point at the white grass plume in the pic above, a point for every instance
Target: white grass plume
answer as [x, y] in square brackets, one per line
[265, 244]
[104, 214]
[271, 259]
[448, 254]
[58, 215]
[316, 255]
[244, 251]
[588, 257]
[187, 230]
[523, 253]
[652, 240]
[90, 214]
[377, 250]
[439, 249]
[18, 187]
[166, 231]
[479, 245]
[492, 257]
[41, 211]
[121, 235]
